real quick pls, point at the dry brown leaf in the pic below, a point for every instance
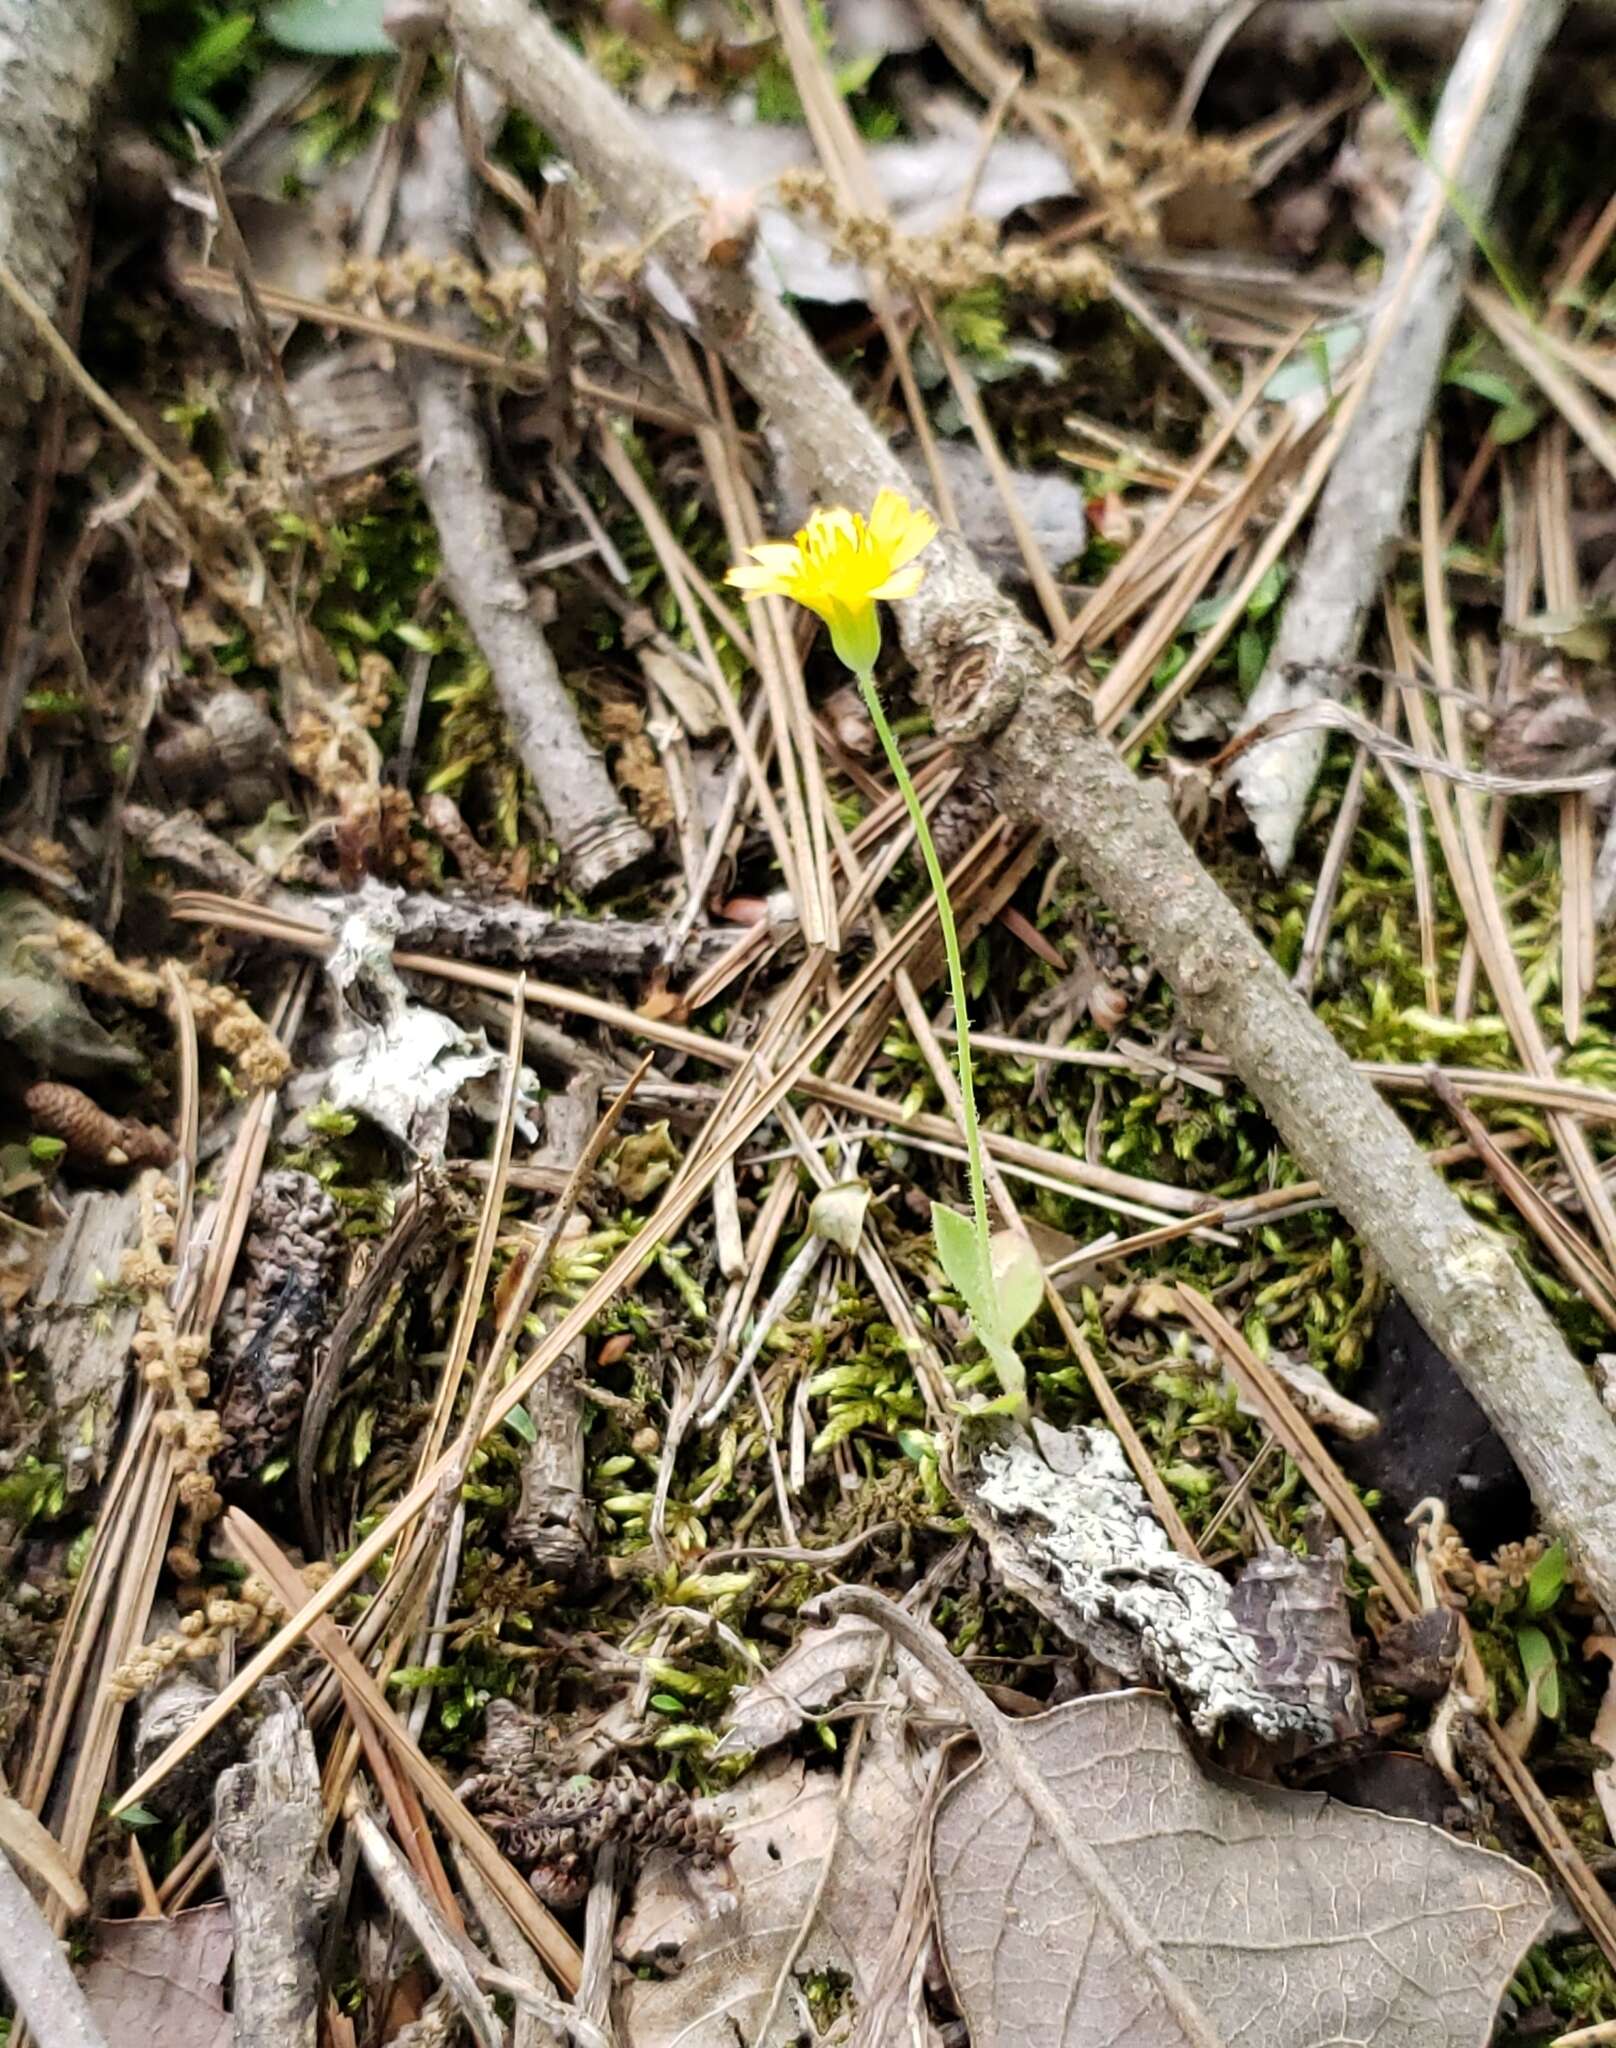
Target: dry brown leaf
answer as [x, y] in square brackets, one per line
[1290, 1921]
[163, 1980]
[728, 1952]
[822, 1667]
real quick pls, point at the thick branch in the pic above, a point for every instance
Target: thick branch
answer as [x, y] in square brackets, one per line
[1361, 509]
[991, 677]
[596, 836]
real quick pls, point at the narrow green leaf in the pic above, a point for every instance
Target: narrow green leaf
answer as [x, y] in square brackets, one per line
[331, 28]
[1547, 1580]
[1538, 1661]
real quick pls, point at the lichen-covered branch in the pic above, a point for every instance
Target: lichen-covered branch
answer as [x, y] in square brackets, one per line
[990, 679]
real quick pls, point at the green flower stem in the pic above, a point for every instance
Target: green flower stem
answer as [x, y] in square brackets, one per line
[956, 969]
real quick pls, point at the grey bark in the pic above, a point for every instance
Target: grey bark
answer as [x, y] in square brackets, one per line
[56, 62]
[79, 1333]
[268, 1828]
[36, 1974]
[1294, 29]
[990, 678]
[1360, 511]
[596, 836]
[553, 1521]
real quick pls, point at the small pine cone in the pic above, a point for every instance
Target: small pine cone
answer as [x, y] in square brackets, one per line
[670, 1820]
[90, 1134]
[960, 820]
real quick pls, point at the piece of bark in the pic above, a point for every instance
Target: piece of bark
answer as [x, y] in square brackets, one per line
[1360, 510]
[35, 1972]
[1071, 1531]
[554, 1523]
[289, 1265]
[597, 837]
[164, 1712]
[80, 1328]
[269, 1829]
[990, 679]
[56, 62]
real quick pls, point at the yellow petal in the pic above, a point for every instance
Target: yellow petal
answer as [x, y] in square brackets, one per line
[900, 529]
[758, 581]
[902, 582]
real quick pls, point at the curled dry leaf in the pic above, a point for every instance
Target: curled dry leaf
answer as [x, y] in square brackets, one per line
[1288, 1920]
[822, 1667]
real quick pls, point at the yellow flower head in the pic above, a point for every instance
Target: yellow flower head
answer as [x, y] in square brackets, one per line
[839, 564]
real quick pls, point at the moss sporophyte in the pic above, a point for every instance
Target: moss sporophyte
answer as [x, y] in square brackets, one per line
[839, 565]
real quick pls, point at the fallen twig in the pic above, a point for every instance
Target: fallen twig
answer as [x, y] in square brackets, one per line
[1361, 508]
[596, 836]
[991, 680]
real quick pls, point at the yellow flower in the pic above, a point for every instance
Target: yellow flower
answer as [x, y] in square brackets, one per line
[839, 564]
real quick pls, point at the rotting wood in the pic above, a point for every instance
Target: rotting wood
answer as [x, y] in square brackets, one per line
[269, 1829]
[991, 680]
[79, 1329]
[596, 836]
[1360, 510]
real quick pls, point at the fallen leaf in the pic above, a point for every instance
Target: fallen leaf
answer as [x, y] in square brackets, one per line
[1290, 1921]
[163, 1980]
[642, 1163]
[729, 1951]
[823, 1666]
